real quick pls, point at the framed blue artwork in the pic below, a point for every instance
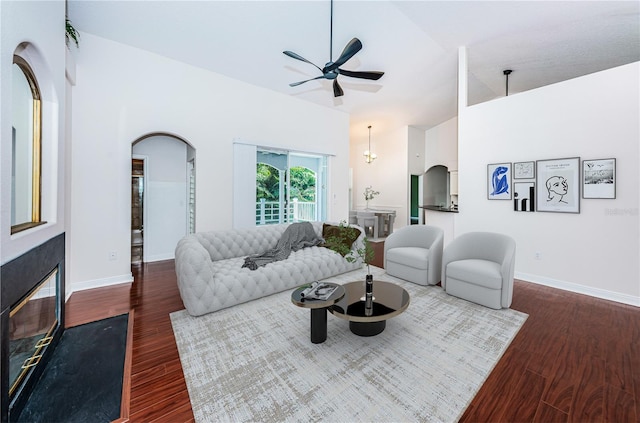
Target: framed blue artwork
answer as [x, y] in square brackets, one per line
[499, 181]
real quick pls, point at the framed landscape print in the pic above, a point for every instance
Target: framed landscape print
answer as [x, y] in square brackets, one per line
[499, 181]
[558, 185]
[524, 170]
[599, 178]
[524, 194]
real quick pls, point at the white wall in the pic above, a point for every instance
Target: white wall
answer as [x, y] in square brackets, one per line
[165, 195]
[441, 145]
[39, 24]
[596, 116]
[416, 152]
[123, 93]
[388, 174]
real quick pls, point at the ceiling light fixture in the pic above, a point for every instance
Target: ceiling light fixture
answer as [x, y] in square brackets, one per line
[506, 73]
[369, 157]
[332, 69]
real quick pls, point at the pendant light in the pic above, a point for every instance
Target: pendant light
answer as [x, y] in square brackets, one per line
[369, 157]
[506, 74]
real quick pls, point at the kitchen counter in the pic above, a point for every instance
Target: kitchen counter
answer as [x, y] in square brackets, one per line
[440, 209]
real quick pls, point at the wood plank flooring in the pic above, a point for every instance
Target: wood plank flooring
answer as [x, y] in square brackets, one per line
[576, 359]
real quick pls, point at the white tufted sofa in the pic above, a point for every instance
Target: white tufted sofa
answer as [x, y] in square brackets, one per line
[211, 276]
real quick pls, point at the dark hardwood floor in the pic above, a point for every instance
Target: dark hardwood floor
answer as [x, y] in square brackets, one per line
[576, 359]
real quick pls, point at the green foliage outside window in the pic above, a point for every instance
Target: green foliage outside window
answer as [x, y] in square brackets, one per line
[302, 186]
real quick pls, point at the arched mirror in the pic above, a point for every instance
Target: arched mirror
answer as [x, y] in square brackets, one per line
[26, 146]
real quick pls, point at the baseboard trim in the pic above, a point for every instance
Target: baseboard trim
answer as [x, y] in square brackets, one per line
[100, 283]
[580, 289]
[159, 257]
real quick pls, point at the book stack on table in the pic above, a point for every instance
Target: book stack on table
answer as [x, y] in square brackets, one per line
[318, 291]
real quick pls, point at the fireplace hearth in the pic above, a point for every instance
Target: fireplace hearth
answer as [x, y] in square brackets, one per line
[32, 321]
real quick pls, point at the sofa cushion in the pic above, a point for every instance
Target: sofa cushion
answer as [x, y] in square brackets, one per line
[478, 272]
[339, 238]
[233, 284]
[409, 256]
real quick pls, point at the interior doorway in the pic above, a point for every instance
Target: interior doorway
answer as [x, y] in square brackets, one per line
[162, 196]
[137, 210]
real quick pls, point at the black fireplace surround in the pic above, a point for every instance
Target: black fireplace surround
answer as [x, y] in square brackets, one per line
[18, 278]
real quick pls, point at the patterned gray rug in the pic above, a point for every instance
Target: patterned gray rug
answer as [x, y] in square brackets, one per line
[255, 362]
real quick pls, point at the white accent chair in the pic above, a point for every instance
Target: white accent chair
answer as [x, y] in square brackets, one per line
[414, 253]
[368, 221]
[479, 267]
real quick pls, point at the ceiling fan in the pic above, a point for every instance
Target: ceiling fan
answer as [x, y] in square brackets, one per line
[332, 69]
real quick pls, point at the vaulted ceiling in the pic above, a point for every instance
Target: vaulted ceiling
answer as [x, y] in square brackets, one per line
[414, 42]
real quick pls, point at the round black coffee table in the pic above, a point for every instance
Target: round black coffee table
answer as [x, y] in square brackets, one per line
[389, 300]
[318, 310]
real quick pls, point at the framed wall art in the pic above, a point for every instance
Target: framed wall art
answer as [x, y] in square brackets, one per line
[524, 195]
[558, 185]
[499, 181]
[599, 178]
[524, 170]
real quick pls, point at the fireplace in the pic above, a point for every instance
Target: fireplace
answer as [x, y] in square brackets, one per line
[32, 321]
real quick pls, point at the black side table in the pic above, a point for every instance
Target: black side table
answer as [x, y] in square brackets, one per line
[318, 310]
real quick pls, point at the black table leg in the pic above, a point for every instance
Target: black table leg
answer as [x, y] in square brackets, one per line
[318, 325]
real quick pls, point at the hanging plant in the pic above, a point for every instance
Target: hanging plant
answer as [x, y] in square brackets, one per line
[71, 34]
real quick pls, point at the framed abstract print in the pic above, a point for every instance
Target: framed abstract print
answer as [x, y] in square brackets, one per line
[524, 170]
[524, 196]
[599, 178]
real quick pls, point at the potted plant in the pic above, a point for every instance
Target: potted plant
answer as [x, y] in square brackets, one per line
[369, 194]
[340, 240]
[71, 34]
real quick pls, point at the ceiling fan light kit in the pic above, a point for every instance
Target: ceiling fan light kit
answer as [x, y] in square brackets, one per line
[332, 69]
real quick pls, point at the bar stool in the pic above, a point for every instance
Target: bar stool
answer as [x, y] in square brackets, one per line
[353, 217]
[391, 217]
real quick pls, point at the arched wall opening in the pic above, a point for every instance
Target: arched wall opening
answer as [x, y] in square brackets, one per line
[436, 182]
[162, 196]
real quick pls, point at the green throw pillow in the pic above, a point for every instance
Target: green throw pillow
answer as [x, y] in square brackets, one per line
[339, 238]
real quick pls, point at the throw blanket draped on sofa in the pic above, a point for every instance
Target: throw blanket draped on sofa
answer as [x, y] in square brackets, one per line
[295, 237]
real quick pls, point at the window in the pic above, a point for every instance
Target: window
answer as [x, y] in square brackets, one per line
[26, 148]
[272, 185]
[290, 187]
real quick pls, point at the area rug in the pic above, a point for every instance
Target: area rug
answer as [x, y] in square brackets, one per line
[255, 361]
[83, 380]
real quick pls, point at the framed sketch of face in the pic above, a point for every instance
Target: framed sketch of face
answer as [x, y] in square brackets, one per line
[558, 185]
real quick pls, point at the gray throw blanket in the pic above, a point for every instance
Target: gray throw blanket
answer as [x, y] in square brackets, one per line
[294, 238]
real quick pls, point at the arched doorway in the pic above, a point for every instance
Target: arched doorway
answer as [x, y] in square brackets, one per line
[162, 196]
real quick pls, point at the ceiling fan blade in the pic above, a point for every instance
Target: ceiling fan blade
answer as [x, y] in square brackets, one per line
[349, 51]
[295, 84]
[374, 75]
[337, 90]
[298, 57]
